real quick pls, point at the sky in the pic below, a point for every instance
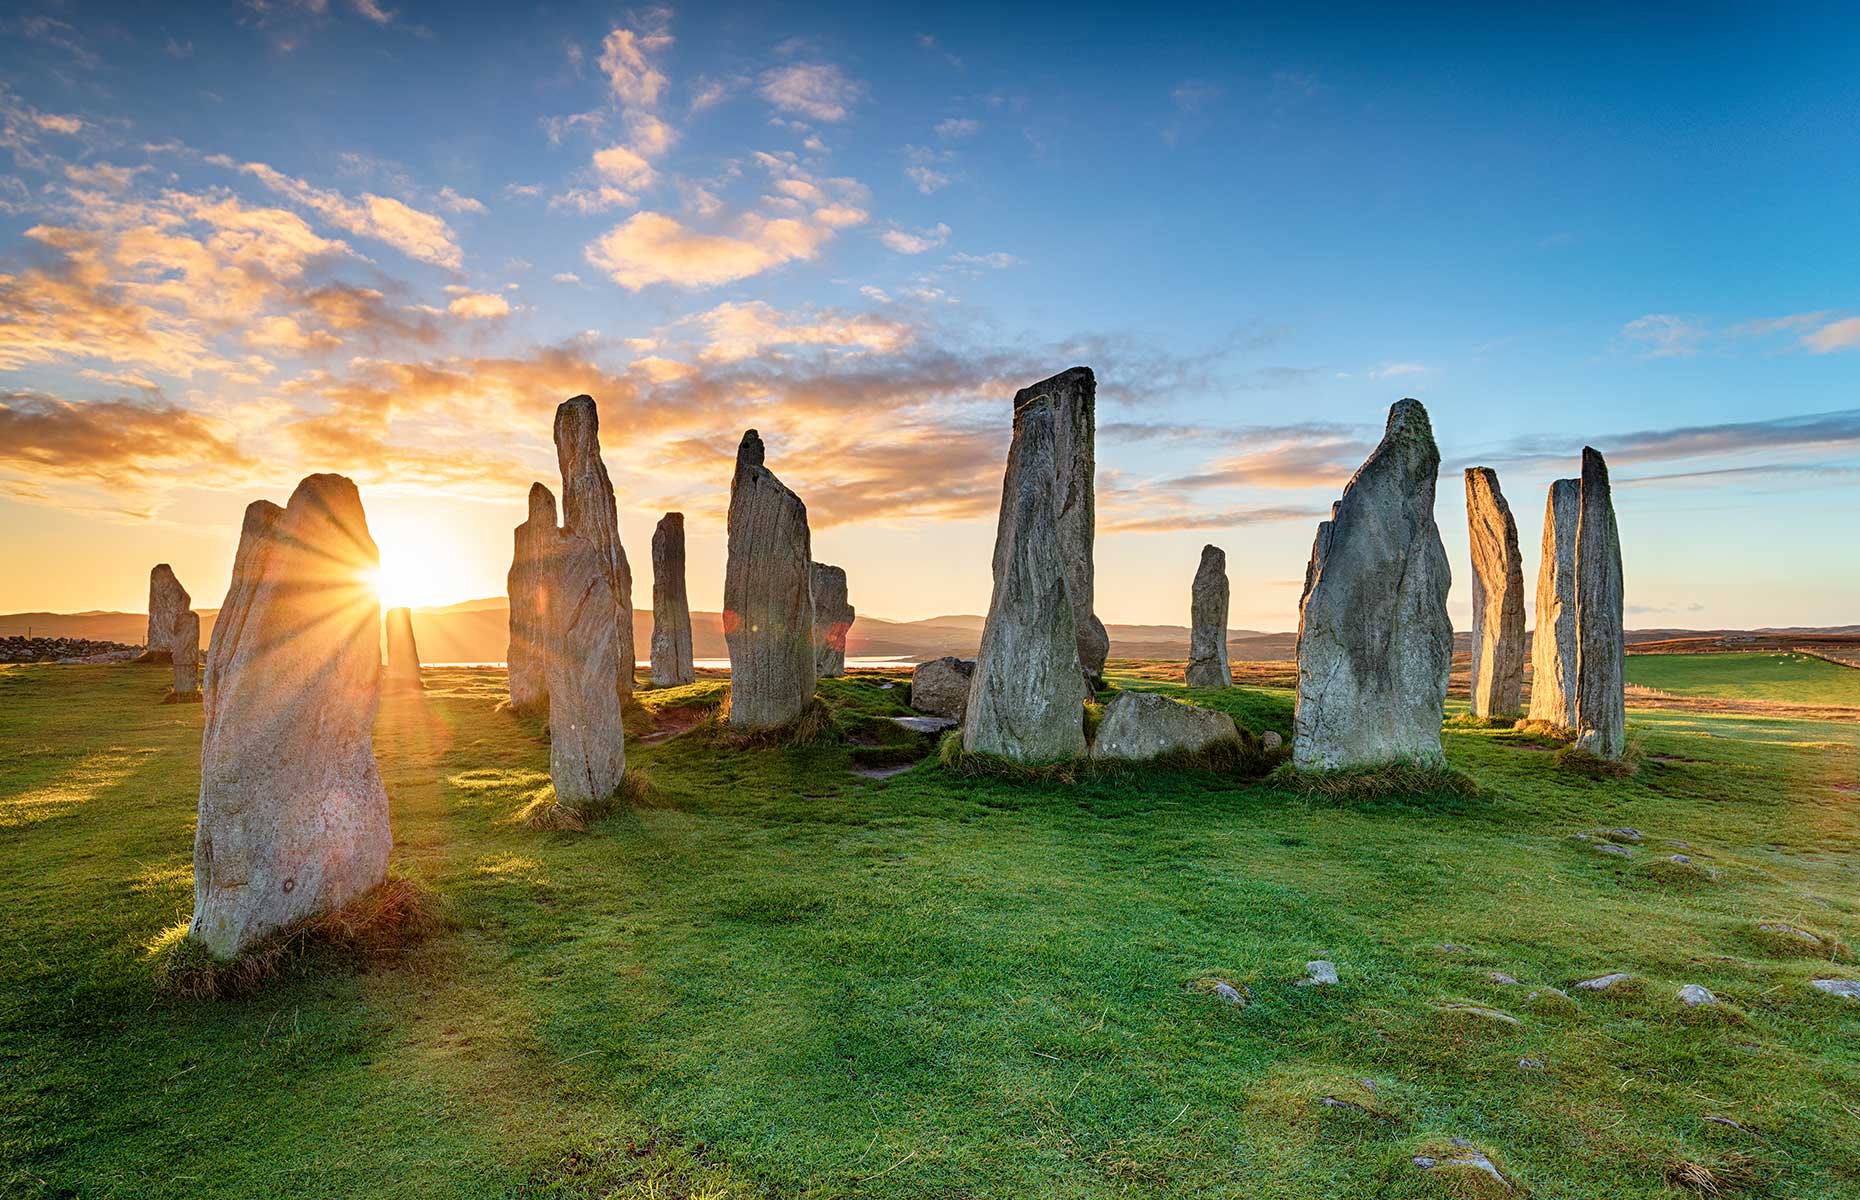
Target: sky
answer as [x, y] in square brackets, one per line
[243, 242]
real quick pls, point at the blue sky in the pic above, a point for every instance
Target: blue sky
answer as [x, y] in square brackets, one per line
[242, 242]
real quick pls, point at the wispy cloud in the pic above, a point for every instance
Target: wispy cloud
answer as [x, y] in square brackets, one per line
[820, 91]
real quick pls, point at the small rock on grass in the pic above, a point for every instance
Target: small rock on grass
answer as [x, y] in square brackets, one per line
[1503, 980]
[1229, 993]
[1693, 995]
[1462, 1154]
[1460, 1007]
[1319, 973]
[1626, 833]
[1270, 740]
[1604, 983]
[1846, 989]
[1530, 1064]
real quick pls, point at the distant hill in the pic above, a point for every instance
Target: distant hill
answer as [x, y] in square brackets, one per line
[479, 631]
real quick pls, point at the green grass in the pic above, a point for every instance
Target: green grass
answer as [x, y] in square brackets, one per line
[1788, 678]
[776, 977]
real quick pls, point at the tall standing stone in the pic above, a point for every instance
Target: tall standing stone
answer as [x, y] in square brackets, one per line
[1553, 643]
[768, 598]
[1601, 704]
[528, 587]
[671, 610]
[833, 618]
[588, 509]
[1374, 640]
[1207, 634]
[184, 646]
[167, 601]
[293, 819]
[403, 656]
[1497, 598]
[587, 742]
[1027, 692]
[1072, 398]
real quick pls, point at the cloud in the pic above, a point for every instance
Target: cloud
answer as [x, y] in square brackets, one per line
[1664, 335]
[1810, 431]
[565, 277]
[623, 167]
[952, 128]
[627, 60]
[460, 203]
[479, 306]
[418, 235]
[1282, 456]
[116, 443]
[995, 262]
[905, 242]
[928, 182]
[650, 247]
[588, 201]
[1227, 518]
[740, 331]
[817, 90]
[1837, 335]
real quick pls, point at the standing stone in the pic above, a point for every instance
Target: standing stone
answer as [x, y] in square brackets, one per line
[1072, 397]
[184, 646]
[1601, 703]
[528, 586]
[671, 610]
[1497, 598]
[587, 744]
[1207, 636]
[1027, 693]
[167, 601]
[403, 656]
[768, 598]
[1374, 640]
[833, 617]
[1553, 644]
[588, 508]
[293, 819]
[940, 687]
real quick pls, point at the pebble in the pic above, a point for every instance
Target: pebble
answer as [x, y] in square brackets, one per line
[1503, 980]
[1693, 995]
[1847, 989]
[1229, 993]
[1628, 833]
[1602, 983]
[1530, 1064]
[1319, 973]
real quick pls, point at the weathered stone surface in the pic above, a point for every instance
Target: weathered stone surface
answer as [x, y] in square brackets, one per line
[403, 656]
[671, 608]
[588, 509]
[1846, 989]
[1462, 1157]
[1605, 983]
[1695, 995]
[768, 597]
[587, 745]
[184, 648]
[833, 617]
[1027, 694]
[926, 725]
[1319, 972]
[1374, 640]
[940, 687]
[1207, 634]
[1497, 598]
[528, 586]
[1144, 725]
[1553, 642]
[293, 819]
[167, 601]
[1072, 398]
[1601, 699]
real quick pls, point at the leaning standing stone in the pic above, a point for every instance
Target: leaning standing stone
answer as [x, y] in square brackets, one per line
[1374, 640]
[768, 600]
[403, 656]
[587, 744]
[293, 819]
[833, 617]
[1207, 636]
[588, 508]
[528, 586]
[167, 601]
[1553, 643]
[1497, 598]
[672, 664]
[1072, 397]
[1601, 705]
[1027, 695]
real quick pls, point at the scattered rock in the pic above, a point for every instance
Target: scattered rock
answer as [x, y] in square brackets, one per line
[768, 604]
[1498, 598]
[1027, 695]
[1462, 1155]
[1318, 973]
[1207, 637]
[672, 664]
[1503, 980]
[1693, 995]
[1229, 993]
[1271, 740]
[1846, 989]
[1553, 645]
[833, 618]
[930, 725]
[940, 687]
[1605, 983]
[1530, 1064]
[1626, 833]
[293, 820]
[528, 588]
[1482, 1012]
[1611, 848]
[1601, 713]
[1143, 725]
[1374, 641]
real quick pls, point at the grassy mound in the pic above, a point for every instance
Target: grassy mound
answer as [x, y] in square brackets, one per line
[1388, 781]
[544, 815]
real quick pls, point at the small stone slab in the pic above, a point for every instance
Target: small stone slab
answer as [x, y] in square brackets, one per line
[1229, 993]
[1461, 1008]
[1604, 983]
[1464, 1154]
[1530, 1064]
[930, 725]
[1846, 989]
[1503, 980]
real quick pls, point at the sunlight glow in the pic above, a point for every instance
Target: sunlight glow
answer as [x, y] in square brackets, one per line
[422, 566]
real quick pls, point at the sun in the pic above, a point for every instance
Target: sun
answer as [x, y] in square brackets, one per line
[420, 568]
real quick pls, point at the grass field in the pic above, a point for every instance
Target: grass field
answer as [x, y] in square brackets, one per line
[1786, 678]
[781, 978]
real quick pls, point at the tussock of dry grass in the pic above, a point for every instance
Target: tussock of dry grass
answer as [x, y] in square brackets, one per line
[1384, 782]
[369, 929]
[544, 815]
[1586, 763]
[813, 726]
